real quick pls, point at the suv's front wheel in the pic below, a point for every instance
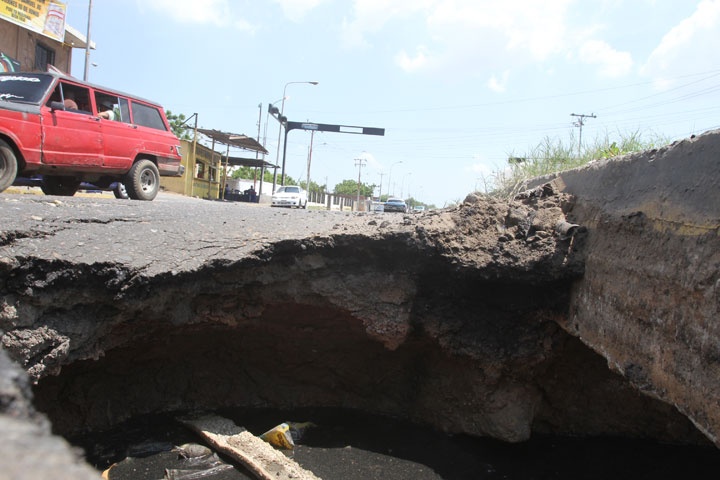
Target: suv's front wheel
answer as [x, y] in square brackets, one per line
[8, 166]
[142, 182]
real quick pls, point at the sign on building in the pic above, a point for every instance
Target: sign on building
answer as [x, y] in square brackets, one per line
[46, 17]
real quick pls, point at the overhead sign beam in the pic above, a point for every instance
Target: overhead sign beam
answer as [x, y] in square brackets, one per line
[322, 127]
[325, 127]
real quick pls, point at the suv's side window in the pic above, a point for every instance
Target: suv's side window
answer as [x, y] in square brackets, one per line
[125, 110]
[108, 106]
[147, 116]
[75, 98]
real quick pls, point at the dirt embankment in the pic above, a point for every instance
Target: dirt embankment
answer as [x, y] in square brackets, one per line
[649, 301]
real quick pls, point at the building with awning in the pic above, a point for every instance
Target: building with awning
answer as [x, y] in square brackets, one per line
[206, 169]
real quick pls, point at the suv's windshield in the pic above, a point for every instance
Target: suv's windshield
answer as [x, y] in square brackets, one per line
[24, 87]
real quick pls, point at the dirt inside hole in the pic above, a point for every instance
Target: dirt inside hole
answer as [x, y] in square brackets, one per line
[401, 411]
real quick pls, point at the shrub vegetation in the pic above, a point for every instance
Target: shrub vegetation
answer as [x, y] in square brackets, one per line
[555, 155]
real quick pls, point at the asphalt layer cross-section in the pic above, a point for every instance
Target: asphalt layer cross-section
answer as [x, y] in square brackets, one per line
[173, 233]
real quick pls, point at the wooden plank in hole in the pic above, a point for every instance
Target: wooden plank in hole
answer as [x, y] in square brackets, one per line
[258, 456]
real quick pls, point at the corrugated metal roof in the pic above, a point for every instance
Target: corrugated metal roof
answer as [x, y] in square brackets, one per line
[234, 140]
[247, 162]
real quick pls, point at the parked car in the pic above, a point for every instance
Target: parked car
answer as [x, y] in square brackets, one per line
[418, 208]
[377, 207]
[395, 205]
[290, 196]
[67, 132]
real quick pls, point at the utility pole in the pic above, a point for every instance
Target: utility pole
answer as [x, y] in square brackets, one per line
[87, 43]
[380, 193]
[580, 122]
[359, 162]
[309, 160]
[257, 153]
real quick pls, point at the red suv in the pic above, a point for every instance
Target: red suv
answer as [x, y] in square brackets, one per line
[69, 132]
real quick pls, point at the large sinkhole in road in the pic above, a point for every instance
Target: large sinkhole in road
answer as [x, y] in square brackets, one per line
[442, 341]
[464, 374]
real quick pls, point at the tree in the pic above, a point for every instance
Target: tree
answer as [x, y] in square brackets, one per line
[176, 124]
[248, 173]
[314, 186]
[350, 187]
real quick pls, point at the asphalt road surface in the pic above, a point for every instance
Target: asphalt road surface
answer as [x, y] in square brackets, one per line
[172, 233]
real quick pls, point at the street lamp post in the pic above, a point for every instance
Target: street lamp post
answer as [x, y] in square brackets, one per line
[390, 176]
[402, 185]
[87, 43]
[282, 111]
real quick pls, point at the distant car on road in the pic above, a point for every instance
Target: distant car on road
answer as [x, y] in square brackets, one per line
[290, 196]
[395, 205]
[377, 207]
[67, 132]
[418, 208]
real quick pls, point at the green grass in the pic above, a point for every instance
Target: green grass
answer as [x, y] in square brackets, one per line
[556, 155]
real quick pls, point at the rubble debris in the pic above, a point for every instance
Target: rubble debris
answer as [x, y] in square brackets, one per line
[192, 450]
[188, 474]
[279, 436]
[287, 434]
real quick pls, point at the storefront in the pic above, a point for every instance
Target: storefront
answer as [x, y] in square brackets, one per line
[206, 171]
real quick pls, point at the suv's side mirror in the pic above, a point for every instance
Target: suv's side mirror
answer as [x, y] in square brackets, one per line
[57, 106]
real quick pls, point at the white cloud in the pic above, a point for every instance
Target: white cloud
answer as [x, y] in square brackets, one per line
[409, 64]
[490, 41]
[211, 12]
[370, 16]
[295, 10]
[612, 63]
[467, 37]
[498, 84]
[480, 168]
[533, 28]
[694, 37]
[480, 174]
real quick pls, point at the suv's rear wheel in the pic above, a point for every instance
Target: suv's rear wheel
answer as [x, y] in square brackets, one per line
[56, 185]
[8, 166]
[142, 182]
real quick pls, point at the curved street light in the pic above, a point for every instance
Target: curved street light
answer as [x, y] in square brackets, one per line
[282, 111]
[267, 118]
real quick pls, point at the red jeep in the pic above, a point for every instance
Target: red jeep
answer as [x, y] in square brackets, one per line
[69, 132]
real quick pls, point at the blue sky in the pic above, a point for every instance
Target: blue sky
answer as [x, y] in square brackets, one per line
[458, 85]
